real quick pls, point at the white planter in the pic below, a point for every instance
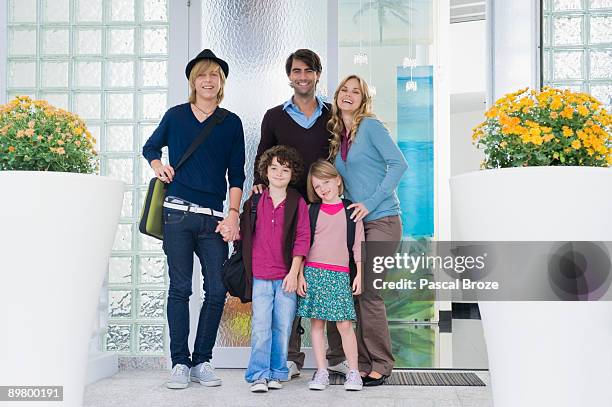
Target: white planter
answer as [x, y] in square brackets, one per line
[541, 353]
[57, 230]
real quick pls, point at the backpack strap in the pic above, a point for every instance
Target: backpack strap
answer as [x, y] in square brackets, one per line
[253, 212]
[350, 227]
[313, 214]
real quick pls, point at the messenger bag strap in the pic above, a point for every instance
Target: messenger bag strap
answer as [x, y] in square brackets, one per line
[216, 118]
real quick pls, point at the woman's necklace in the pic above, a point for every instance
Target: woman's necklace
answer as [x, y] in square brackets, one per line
[206, 113]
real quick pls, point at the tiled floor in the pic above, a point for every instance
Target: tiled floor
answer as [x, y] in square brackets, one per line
[145, 388]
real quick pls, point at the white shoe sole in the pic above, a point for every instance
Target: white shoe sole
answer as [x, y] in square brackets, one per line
[353, 387]
[275, 386]
[211, 383]
[317, 386]
[176, 386]
[259, 388]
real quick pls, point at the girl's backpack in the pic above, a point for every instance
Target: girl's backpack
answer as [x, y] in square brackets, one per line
[313, 213]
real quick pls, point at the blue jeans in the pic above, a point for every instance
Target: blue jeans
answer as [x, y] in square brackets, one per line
[273, 313]
[186, 233]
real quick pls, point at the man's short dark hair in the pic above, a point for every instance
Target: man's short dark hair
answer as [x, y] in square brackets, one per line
[285, 155]
[308, 57]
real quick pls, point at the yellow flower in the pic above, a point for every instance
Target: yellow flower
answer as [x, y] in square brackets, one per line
[78, 131]
[556, 103]
[582, 110]
[567, 132]
[567, 112]
[576, 144]
[554, 115]
[492, 112]
[548, 137]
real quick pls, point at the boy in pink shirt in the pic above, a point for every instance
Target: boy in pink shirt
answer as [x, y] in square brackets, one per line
[276, 248]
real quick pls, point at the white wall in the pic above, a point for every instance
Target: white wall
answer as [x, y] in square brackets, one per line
[468, 58]
[468, 92]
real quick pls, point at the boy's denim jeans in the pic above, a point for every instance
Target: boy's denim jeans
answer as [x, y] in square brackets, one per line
[187, 233]
[273, 313]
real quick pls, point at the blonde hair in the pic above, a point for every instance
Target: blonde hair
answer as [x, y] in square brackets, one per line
[322, 169]
[335, 125]
[205, 66]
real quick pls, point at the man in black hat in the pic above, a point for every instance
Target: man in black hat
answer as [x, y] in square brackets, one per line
[301, 122]
[193, 210]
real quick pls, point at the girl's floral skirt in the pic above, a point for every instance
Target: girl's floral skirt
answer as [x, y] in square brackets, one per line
[328, 296]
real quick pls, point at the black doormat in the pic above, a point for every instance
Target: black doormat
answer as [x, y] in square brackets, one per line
[423, 379]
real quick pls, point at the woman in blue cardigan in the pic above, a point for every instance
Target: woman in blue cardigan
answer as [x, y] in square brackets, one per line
[371, 165]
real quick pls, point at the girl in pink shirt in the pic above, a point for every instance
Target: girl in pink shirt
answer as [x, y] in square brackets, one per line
[324, 285]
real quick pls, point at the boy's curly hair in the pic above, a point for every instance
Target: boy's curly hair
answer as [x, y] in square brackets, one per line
[285, 155]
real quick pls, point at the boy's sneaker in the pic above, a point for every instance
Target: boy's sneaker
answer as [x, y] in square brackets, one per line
[353, 381]
[259, 386]
[342, 368]
[320, 380]
[274, 384]
[293, 369]
[179, 377]
[204, 373]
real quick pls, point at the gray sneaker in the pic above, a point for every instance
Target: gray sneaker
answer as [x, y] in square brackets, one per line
[204, 373]
[179, 377]
[274, 384]
[259, 386]
[342, 368]
[320, 380]
[293, 370]
[353, 381]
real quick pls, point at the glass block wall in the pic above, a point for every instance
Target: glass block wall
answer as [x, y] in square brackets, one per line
[577, 51]
[106, 60]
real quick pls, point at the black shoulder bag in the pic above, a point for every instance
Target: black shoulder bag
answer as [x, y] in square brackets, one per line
[234, 274]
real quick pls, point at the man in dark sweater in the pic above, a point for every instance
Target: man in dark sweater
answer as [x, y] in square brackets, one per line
[301, 122]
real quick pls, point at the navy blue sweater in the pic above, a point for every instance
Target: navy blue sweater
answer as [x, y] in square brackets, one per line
[201, 179]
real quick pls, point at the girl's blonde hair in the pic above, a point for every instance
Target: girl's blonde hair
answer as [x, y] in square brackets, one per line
[335, 125]
[205, 66]
[322, 169]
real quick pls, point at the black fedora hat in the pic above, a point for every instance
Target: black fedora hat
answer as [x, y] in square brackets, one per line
[207, 54]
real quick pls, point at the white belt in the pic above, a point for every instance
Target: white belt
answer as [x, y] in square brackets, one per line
[194, 209]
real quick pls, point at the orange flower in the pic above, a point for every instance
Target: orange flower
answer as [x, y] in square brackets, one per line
[11, 149]
[568, 112]
[576, 144]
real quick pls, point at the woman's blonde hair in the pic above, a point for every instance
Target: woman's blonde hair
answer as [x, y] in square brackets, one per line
[322, 169]
[205, 66]
[335, 125]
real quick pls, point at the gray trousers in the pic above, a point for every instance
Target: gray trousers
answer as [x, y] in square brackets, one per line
[373, 338]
